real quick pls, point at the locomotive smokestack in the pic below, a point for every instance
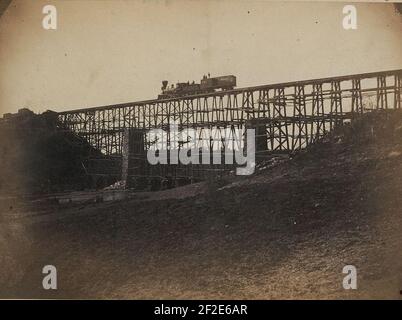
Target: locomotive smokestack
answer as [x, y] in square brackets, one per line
[164, 84]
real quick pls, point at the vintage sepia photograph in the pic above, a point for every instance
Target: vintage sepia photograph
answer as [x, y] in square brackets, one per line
[200, 150]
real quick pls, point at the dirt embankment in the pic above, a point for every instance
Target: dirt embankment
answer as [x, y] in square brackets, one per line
[286, 232]
[38, 156]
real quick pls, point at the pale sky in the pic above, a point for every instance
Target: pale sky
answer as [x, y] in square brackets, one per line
[107, 52]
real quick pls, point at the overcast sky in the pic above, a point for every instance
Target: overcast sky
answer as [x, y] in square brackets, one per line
[106, 52]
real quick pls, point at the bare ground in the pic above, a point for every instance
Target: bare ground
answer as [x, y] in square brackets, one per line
[283, 233]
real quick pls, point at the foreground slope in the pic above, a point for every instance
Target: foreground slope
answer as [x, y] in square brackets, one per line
[285, 232]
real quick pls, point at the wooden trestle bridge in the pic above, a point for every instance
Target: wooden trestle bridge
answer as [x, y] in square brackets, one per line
[286, 116]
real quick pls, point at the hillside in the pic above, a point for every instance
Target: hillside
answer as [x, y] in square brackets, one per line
[38, 156]
[285, 232]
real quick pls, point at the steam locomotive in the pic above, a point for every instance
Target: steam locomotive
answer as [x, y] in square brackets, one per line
[206, 85]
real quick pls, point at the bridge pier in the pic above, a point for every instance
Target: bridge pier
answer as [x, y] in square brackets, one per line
[133, 164]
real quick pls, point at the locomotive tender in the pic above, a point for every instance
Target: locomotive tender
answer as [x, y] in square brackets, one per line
[206, 85]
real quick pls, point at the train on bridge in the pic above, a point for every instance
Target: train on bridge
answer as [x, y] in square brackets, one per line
[287, 117]
[206, 85]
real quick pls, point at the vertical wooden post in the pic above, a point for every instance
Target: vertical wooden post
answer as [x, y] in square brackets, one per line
[125, 157]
